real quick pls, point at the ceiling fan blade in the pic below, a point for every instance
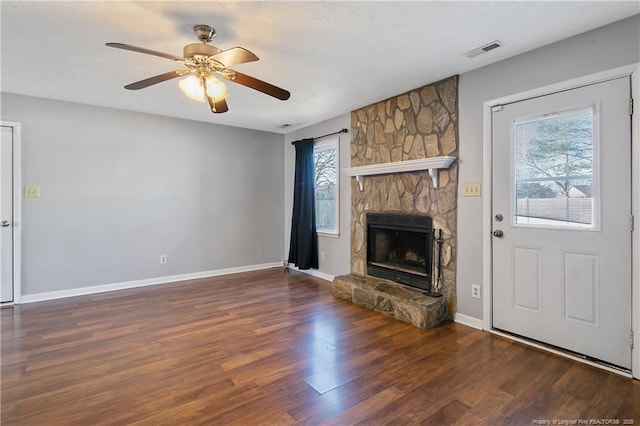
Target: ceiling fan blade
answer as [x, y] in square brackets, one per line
[156, 79]
[234, 56]
[220, 107]
[261, 86]
[217, 107]
[147, 51]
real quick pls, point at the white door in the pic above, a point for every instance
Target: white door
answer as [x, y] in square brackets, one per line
[6, 215]
[562, 220]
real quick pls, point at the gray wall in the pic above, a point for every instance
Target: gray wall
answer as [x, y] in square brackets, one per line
[604, 48]
[337, 250]
[118, 189]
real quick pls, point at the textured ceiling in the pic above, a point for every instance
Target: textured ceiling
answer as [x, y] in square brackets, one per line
[332, 56]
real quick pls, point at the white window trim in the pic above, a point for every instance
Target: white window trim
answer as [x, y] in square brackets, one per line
[330, 143]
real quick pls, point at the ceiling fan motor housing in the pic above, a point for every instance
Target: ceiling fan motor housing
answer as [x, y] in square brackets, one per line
[193, 49]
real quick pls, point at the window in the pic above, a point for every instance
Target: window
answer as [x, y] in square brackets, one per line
[325, 159]
[555, 177]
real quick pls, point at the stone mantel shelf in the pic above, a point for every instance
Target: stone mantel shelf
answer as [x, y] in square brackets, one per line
[432, 164]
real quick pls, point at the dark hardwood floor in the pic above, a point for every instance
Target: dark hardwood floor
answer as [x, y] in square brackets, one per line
[274, 347]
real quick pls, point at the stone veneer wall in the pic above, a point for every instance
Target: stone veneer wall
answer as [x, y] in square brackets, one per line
[418, 124]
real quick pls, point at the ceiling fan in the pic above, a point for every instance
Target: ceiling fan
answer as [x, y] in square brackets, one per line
[202, 63]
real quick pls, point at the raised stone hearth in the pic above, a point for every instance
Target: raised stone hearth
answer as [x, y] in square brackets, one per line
[407, 304]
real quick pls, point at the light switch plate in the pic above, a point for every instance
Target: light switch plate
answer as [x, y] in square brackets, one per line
[472, 189]
[31, 192]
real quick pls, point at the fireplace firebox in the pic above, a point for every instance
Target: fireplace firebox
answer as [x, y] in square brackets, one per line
[400, 248]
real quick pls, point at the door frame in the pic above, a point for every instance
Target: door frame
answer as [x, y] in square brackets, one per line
[632, 71]
[17, 209]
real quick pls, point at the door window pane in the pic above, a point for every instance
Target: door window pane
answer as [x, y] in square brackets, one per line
[554, 170]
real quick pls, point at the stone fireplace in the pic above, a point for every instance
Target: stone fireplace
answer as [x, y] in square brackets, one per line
[419, 124]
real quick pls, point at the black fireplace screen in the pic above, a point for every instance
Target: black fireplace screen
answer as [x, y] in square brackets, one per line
[400, 248]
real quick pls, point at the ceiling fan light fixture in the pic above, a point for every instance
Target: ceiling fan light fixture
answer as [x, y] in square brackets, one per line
[216, 89]
[193, 89]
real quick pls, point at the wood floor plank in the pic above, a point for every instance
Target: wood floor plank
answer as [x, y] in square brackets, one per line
[243, 349]
[367, 410]
[449, 414]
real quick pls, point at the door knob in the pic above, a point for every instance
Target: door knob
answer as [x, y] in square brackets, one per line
[4, 223]
[498, 233]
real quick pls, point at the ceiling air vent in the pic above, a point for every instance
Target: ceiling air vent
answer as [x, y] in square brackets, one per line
[483, 49]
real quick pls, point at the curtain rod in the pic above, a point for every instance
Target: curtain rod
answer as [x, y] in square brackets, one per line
[344, 130]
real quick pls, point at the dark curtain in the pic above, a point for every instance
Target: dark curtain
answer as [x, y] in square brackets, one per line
[303, 249]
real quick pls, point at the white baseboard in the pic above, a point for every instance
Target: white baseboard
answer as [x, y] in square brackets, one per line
[469, 321]
[314, 272]
[51, 295]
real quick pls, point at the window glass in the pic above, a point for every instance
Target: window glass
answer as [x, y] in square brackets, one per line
[554, 170]
[325, 157]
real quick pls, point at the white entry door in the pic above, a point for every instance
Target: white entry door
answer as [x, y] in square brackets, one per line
[562, 220]
[6, 215]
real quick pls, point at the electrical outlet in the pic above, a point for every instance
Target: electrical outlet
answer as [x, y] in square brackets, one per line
[472, 189]
[163, 259]
[475, 291]
[321, 255]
